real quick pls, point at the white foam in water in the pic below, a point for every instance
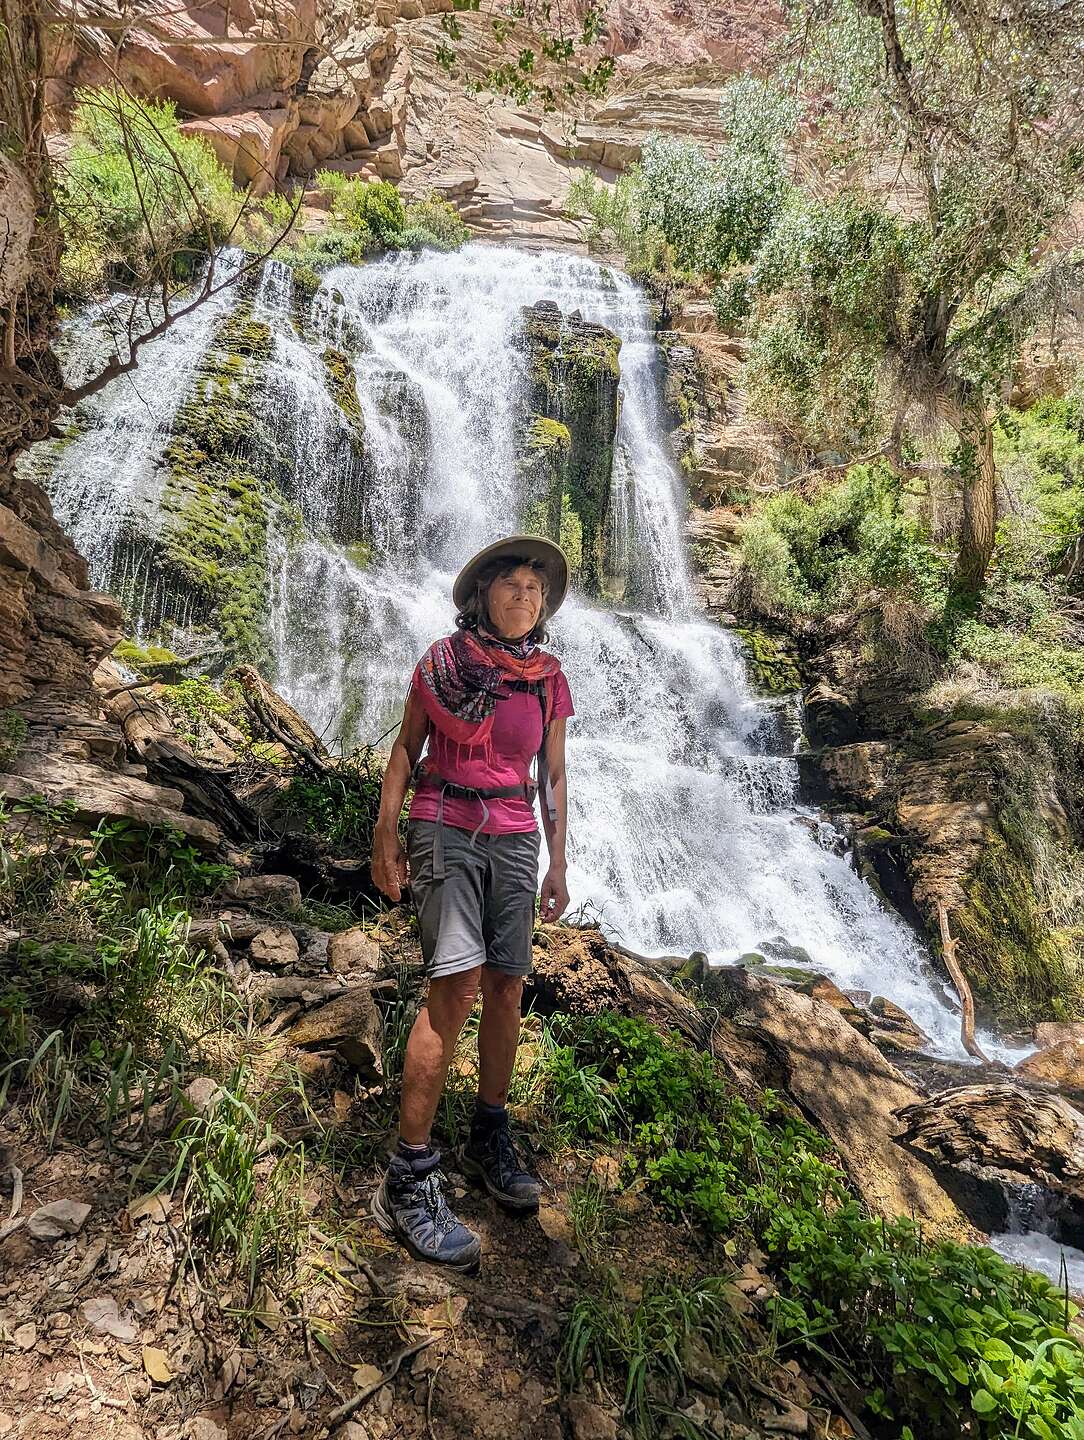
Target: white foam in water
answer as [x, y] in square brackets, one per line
[683, 836]
[1031, 1239]
[113, 470]
[1061, 1264]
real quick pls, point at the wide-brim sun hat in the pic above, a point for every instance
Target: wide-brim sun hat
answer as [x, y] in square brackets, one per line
[530, 547]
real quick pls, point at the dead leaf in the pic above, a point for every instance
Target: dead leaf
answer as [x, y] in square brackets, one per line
[154, 1207]
[342, 1104]
[366, 1375]
[270, 1312]
[156, 1365]
[446, 1314]
[555, 1223]
[231, 1368]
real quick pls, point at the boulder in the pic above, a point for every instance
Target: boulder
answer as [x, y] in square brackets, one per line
[277, 892]
[351, 1023]
[276, 946]
[353, 952]
[248, 143]
[1020, 1134]
[843, 1083]
[1053, 1032]
[830, 715]
[896, 1028]
[1061, 1064]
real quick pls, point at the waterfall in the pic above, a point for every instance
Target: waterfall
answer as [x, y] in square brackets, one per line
[686, 830]
[109, 478]
[684, 834]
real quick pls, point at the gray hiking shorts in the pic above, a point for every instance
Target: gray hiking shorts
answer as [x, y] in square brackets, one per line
[483, 911]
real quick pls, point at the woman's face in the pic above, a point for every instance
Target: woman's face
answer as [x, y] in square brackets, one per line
[515, 603]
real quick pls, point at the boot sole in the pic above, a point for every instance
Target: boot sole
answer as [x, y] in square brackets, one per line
[385, 1221]
[513, 1203]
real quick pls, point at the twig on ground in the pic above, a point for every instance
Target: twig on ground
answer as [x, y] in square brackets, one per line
[95, 1393]
[344, 1412]
[16, 1192]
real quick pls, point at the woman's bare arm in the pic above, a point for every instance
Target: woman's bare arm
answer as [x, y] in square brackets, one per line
[389, 864]
[554, 897]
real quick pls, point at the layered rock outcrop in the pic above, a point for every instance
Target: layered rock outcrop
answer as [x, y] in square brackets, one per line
[53, 628]
[281, 90]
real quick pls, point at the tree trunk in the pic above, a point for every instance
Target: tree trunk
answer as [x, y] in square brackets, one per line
[970, 418]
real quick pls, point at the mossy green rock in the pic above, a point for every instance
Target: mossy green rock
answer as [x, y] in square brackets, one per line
[568, 447]
[772, 661]
[210, 553]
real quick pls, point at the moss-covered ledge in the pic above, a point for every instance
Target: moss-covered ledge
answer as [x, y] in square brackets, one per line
[211, 552]
[573, 378]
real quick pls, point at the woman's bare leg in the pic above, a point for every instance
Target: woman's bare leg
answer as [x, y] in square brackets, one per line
[498, 1034]
[430, 1049]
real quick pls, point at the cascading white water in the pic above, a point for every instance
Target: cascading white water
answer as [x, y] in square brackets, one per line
[684, 835]
[1031, 1239]
[113, 474]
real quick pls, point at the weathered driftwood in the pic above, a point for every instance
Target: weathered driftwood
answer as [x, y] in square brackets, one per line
[150, 734]
[279, 721]
[1023, 1135]
[963, 989]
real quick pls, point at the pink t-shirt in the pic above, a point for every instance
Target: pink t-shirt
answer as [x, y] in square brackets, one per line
[515, 739]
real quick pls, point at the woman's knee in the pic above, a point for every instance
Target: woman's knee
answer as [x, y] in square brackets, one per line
[502, 990]
[451, 997]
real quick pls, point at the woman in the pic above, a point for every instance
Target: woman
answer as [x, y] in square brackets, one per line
[486, 701]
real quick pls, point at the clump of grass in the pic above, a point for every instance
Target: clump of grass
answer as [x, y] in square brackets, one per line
[591, 1211]
[642, 1347]
[243, 1201]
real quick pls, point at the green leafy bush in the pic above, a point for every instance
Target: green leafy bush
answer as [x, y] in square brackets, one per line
[372, 207]
[138, 201]
[704, 213]
[341, 806]
[814, 556]
[433, 224]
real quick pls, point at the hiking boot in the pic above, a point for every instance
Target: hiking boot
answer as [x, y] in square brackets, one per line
[490, 1156]
[410, 1205]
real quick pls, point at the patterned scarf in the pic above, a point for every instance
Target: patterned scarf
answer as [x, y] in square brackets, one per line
[462, 674]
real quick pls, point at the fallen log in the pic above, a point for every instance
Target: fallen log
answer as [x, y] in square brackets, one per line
[1023, 1135]
[279, 721]
[963, 989]
[207, 792]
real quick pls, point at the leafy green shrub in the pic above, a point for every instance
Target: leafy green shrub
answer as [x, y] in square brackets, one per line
[437, 220]
[341, 806]
[368, 207]
[705, 214]
[137, 200]
[310, 254]
[944, 1337]
[814, 556]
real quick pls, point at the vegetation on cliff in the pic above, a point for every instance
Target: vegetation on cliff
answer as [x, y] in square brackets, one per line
[138, 201]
